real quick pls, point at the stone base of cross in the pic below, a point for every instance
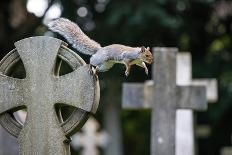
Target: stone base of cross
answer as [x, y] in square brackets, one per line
[163, 96]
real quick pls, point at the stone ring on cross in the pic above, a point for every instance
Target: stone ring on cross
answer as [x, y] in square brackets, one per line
[30, 78]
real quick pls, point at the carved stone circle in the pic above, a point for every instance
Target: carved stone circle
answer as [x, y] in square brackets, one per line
[82, 104]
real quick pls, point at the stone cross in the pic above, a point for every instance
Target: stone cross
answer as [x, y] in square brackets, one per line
[163, 96]
[40, 91]
[184, 117]
[90, 139]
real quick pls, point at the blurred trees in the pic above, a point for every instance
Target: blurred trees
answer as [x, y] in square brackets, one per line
[202, 27]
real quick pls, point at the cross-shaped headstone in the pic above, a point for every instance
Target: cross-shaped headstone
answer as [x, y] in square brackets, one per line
[90, 138]
[184, 118]
[163, 96]
[40, 91]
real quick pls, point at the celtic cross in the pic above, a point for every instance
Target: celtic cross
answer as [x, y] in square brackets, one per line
[40, 91]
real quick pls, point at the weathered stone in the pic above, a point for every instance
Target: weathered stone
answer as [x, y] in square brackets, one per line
[40, 91]
[163, 96]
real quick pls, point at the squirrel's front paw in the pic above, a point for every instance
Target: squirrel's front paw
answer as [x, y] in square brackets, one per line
[93, 71]
[126, 73]
[146, 71]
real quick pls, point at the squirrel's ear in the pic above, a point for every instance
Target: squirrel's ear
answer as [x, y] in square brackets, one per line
[148, 48]
[142, 49]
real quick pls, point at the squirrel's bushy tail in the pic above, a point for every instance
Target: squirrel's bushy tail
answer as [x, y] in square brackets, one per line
[74, 36]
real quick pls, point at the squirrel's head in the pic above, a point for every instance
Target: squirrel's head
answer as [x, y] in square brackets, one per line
[145, 55]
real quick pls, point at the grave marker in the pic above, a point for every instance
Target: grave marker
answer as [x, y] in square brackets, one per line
[163, 96]
[42, 133]
[90, 139]
[184, 118]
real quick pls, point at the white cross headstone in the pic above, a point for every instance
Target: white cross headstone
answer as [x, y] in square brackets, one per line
[163, 96]
[90, 138]
[184, 118]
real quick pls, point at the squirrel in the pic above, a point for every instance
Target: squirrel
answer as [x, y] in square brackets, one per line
[103, 58]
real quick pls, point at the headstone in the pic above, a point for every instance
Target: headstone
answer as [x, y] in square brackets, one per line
[184, 118]
[163, 96]
[41, 90]
[90, 138]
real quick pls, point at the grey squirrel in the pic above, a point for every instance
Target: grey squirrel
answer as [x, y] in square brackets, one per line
[103, 58]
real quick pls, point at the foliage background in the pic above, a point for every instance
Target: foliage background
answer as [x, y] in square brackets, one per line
[203, 27]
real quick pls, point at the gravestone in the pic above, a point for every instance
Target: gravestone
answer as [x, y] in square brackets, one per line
[163, 96]
[184, 118]
[41, 91]
[90, 139]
